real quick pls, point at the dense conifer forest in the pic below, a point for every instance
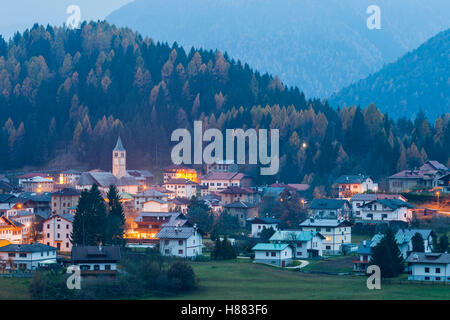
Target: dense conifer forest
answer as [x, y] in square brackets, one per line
[65, 95]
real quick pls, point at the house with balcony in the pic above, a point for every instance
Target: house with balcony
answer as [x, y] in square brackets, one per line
[386, 210]
[330, 209]
[96, 261]
[335, 232]
[27, 257]
[305, 244]
[348, 185]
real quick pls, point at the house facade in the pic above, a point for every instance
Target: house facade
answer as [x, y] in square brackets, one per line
[65, 199]
[305, 244]
[234, 193]
[96, 261]
[57, 231]
[181, 188]
[352, 184]
[386, 210]
[429, 266]
[259, 224]
[26, 256]
[182, 242]
[335, 233]
[242, 210]
[277, 254]
[358, 200]
[330, 209]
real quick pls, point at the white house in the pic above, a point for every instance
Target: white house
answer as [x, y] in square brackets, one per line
[358, 200]
[330, 209]
[181, 188]
[96, 261]
[429, 266]
[259, 224]
[27, 256]
[57, 230]
[10, 230]
[305, 244]
[403, 237]
[155, 205]
[277, 254]
[386, 210]
[335, 232]
[218, 181]
[150, 194]
[183, 242]
[351, 184]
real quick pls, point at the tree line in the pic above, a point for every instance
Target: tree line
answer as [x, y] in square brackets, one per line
[66, 94]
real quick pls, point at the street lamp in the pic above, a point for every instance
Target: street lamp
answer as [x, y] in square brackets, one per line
[438, 194]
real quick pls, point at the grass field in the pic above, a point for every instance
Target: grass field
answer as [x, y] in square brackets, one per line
[243, 280]
[14, 288]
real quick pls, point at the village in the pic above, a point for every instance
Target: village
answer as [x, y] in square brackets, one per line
[282, 225]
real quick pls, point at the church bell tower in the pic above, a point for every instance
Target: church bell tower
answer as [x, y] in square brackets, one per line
[119, 165]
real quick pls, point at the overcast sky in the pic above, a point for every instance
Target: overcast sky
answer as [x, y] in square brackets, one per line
[17, 15]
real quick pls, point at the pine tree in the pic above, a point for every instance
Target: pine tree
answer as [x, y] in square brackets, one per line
[387, 255]
[89, 226]
[116, 217]
[417, 243]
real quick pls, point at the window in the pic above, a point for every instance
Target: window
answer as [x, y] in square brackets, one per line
[427, 278]
[318, 229]
[48, 235]
[67, 244]
[438, 270]
[328, 247]
[166, 242]
[427, 270]
[48, 225]
[11, 255]
[85, 267]
[22, 255]
[166, 251]
[267, 254]
[67, 226]
[273, 254]
[107, 267]
[328, 229]
[96, 267]
[180, 242]
[180, 251]
[438, 278]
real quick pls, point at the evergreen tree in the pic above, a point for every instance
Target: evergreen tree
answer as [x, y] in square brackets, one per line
[199, 214]
[116, 217]
[89, 226]
[387, 255]
[417, 243]
[266, 233]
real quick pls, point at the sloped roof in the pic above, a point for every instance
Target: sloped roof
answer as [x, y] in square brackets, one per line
[239, 204]
[66, 192]
[374, 196]
[351, 179]
[6, 197]
[180, 181]
[270, 246]
[328, 203]
[294, 235]
[433, 165]
[263, 220]
[402, 236]
[391, 203]
[94, 253]
[422, 257]
[222, 176]
[101, 178]
[127, 181]
[237, 190]
[140, 173]
[150, 193]
[35, 247]
[35, 196]
[365, 247]
[119, 145]
[333, 223]
[175, 233]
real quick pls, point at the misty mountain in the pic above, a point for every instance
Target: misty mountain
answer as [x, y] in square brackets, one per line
[418, 80]
[319, 46]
